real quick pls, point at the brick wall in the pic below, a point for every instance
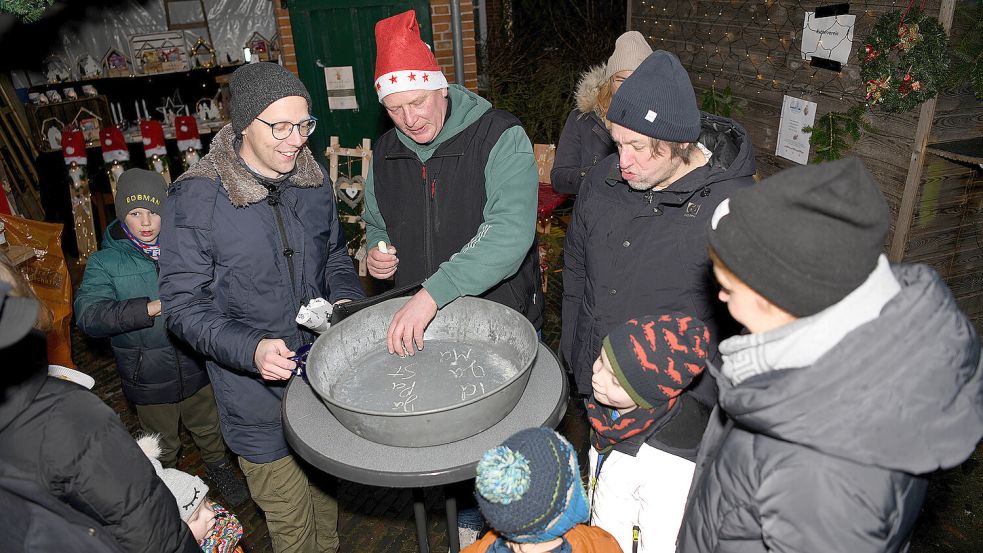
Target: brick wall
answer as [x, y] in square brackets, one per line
[443, 38]
[286, 37]
[440, 14]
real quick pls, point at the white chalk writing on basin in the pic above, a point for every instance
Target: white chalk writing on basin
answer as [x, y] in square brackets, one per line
[403, 389]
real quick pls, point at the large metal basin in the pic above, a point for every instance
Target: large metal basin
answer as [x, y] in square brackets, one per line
[472, 371]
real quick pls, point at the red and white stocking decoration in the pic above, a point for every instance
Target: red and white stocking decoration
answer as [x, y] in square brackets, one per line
[188, 139]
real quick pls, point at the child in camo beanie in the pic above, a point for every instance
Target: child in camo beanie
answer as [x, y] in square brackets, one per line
[529, 490]
[216, 529]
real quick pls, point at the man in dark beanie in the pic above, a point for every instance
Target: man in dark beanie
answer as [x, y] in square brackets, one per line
[858, 379]
[251, 234]
[637, 240]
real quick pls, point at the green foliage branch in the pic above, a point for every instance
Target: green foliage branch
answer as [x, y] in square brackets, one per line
[719, 102]
[28, 10]
[836, 132]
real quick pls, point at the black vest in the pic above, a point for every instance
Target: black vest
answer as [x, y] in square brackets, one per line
[433, 209]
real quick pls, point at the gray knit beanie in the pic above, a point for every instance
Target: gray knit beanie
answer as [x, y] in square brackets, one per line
[806, 237]
[658, 101]
[139, 188]
[255, 86]
[188, 489]
[629, 51]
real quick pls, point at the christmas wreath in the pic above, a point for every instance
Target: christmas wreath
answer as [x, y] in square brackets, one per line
[905, 60]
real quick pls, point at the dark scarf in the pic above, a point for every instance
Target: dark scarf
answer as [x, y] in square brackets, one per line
[152, 250]
[608, 431]
[501, 546]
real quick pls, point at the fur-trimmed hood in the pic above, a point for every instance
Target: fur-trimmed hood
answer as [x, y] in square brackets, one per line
[222, 163]
[588, 87]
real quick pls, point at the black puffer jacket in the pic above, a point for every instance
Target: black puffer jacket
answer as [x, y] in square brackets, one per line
[585, 140]
[629, 253]
[64, 439]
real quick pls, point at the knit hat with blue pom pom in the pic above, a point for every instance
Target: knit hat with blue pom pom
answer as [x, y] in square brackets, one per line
[529, 488]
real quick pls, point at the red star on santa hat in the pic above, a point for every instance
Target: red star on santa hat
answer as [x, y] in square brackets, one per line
[412, 76]
[426, 77]
[392, 79]
[378, 86]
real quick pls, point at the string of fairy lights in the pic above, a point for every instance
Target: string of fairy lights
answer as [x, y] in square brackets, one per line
[759, 50]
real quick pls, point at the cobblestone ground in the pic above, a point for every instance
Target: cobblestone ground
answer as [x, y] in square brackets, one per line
[380, 520]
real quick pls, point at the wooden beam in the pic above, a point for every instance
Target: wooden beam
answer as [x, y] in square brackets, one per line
[916, 165]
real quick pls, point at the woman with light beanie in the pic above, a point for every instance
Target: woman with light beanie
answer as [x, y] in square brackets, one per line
[586, 139]
[529, 491]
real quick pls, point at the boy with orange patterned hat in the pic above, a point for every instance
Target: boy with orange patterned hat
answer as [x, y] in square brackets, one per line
[645, 428]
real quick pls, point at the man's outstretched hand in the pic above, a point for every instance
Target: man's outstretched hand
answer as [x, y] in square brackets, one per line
[405, 334]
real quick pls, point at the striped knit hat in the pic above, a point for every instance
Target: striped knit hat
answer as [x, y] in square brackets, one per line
[656, 358]
[529, 487]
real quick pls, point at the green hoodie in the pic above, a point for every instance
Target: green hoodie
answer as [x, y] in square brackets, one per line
[509, 217]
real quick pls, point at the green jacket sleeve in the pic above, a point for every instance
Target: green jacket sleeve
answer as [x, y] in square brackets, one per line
[98, 312]
[506, 233]
[375, 225]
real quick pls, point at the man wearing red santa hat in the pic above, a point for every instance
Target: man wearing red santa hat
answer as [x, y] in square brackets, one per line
[470, 229]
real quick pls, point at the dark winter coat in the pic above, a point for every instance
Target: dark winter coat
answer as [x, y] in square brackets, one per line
[59, 438]
[584, 140]
[833, 457]
[153, 365]
[629, 253]
[237, 261]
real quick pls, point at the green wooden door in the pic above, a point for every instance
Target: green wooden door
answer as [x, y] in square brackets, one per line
[337, 33]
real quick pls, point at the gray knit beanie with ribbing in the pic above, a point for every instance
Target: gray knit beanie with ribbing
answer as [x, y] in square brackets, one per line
[255, 86]
[658, 101]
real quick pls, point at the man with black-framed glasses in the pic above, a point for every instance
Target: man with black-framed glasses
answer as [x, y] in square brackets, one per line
[250, 233]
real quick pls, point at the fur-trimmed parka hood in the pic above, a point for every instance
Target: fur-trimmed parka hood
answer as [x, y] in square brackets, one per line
[223, 163]
[587, 89]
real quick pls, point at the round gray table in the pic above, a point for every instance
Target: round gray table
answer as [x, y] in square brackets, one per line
[317, 436]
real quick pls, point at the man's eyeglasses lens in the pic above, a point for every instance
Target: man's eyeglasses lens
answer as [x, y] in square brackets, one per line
[283, 129]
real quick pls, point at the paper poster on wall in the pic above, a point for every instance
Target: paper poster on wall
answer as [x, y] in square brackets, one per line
[340, 82]
[827, 37]
[793, 143]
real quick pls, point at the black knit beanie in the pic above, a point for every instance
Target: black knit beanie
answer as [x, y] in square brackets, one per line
[806, 237]
[656, 358]
[658, 101]
[255, 86]
[139, 188]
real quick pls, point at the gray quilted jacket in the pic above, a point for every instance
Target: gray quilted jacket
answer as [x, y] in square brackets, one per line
[833, 457]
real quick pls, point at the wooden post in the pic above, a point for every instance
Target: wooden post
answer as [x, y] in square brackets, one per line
[926, 117]
[363, 152]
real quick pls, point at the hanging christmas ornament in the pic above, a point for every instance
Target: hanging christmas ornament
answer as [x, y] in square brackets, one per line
[188, 140]
[906, 60]
[73, 146]
[73, 150]
[115, 153]
[154, 148]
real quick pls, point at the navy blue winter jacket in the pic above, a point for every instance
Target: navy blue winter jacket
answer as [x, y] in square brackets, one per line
[239, 256]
